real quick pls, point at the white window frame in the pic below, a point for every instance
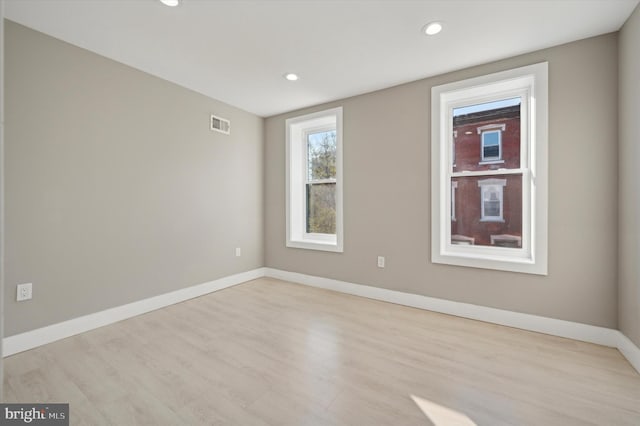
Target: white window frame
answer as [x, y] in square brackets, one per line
[491, 185]
[297, 131]
[531, 84]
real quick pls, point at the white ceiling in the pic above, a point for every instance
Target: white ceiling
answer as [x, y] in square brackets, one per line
[237, 51]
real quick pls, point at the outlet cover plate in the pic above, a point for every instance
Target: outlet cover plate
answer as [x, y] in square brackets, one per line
[24, 292]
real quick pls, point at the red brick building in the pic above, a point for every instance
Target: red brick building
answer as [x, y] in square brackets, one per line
[487, 210]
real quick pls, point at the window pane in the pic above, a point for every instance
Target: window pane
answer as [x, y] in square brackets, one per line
[488, 131]
[488, 210]
[321, 208]
[492, 206]
[491, 151]
[321, 155]
[491, 139]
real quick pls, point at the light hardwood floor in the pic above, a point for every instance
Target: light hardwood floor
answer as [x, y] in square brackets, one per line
[269, 352]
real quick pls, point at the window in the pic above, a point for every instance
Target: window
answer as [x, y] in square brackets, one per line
[320, 186]
[314, 181]
[462, 240]
[454, 185]
[491, 139]
[491, 199]
[506, 240]
[489, 150]
[491, 145]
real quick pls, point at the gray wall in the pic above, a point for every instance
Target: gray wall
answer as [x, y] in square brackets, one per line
[387, 193]
[116, 190]
[629, 179]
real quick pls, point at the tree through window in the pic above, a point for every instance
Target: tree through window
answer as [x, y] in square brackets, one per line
[321, 182]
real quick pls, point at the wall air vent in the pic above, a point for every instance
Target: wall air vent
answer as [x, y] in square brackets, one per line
[220, 124]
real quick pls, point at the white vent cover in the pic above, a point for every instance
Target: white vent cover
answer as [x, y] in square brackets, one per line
[220, 124]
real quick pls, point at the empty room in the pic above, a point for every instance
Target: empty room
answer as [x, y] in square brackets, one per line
[320, 212]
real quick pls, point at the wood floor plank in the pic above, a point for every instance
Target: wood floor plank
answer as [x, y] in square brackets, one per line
[269, 352]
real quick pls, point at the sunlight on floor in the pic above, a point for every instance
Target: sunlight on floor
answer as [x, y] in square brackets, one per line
[442, 416]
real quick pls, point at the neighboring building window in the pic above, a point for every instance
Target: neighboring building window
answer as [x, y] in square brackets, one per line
[491, 145]
[489, 150]
[462, 240]
[453, 148]
[506, 241]
[314, 181]
[454, 185]
[491, 136]
[491, 199]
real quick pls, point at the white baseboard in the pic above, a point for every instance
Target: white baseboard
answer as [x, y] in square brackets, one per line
[629, 350]
[555, 327]
[41, 336]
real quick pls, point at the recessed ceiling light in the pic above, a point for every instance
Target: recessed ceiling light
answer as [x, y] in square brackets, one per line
[172, 3]
[291, 76]
[432, 28]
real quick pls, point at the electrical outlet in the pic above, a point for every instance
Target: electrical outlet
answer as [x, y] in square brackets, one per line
[380, 261]
[238, 252]
[24, 292]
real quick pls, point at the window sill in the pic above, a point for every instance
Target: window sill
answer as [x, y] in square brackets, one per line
[524, 264]
[492, 220]
[310, 244]
[488, 162]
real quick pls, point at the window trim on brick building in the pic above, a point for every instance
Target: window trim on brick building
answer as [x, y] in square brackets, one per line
[487, 186]
[526, 253]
